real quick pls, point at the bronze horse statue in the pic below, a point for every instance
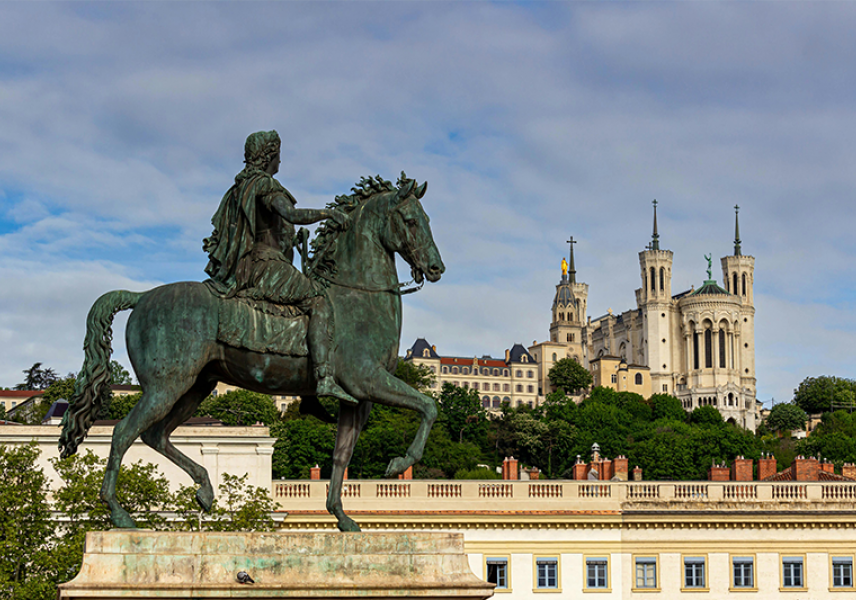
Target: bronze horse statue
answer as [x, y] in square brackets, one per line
[172, 341]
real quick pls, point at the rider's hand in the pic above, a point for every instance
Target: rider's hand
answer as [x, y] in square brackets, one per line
[340, 218]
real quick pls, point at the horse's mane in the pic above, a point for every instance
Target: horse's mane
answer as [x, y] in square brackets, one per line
[323, 245]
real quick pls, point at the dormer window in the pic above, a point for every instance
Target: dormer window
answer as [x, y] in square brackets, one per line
[426, 353]
[524, 358]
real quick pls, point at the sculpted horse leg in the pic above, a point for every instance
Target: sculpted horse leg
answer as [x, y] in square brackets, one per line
[351, 422]
[391, 391]
[154, 405]
[157, 437]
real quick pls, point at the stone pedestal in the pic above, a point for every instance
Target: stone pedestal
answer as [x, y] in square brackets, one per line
[170, 565]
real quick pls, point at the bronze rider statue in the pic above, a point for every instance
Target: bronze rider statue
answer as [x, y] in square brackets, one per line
[252, 248]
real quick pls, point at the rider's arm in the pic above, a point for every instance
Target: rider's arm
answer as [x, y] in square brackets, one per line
[297, 216]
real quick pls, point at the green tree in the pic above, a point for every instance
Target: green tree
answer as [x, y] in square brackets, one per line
[25, 526]
[240, 407]
[786, 417]
[416, 376]
[121, 405]
[37, 378]
[822, 394]
[461, 413]
[301, 443]
[119, 375]
[706, 415]
[665, 406]
[569, 375]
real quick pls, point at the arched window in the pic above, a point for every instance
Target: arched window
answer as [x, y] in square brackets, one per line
[730, 399]
[519, 403]
[721, 348]
[524, 358]
[638, 378]
[662, 279]
[485, 402]
[506, 372]
[708, 349]
[496, 371]
[518, 373]
[734, 286]
[454, 370]
[426, 353]
[653, 279]
[445, 369]
[554, 357]
[744, 284]
[465, 370]
[466, 384]
[496, 403]
[506, 400]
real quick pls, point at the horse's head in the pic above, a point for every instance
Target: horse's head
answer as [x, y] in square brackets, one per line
[408, 232]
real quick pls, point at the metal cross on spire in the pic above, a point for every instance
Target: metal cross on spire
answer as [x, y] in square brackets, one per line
[572, 270]
[736, 231]
[655, 238]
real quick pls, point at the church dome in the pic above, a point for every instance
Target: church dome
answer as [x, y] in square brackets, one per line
[564, 296]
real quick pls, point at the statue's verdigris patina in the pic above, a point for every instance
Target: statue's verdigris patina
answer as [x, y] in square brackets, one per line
[261, 324]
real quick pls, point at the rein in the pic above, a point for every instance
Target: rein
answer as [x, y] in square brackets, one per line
[396, 289]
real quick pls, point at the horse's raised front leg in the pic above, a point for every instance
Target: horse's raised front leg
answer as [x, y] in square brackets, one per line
[351, 422]
[157, 437]
[154, 405]
[389, 390]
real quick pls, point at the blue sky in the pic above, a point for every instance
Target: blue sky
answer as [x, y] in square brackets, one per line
[123, 124]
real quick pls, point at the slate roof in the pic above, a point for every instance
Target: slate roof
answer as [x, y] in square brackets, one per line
[419, 347]
[517, 353]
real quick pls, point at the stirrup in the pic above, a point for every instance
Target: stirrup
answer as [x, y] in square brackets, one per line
[328, 387]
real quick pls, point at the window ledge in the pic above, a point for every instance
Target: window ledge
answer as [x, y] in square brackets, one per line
[793, 589]
[597, 590]
[842, 589]
[643, 590]
[547, 591]
[695, 589]
[743, 589]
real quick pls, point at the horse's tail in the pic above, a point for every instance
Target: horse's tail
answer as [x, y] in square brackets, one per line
[92, 387]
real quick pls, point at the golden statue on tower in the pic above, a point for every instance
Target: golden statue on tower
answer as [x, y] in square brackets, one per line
[564, 267]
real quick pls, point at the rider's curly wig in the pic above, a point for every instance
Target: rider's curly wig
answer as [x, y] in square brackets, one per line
[261, 147]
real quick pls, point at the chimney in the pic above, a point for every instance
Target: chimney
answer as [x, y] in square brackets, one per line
[827, 467]
[766, 467]
[346, 474]
[408, 473]
[619, 467]
[741, 469]
[849, 470]
[315, 472]
[534, 473]
[579, 469]
[805, 469]
[507, 355]
[509, 469]
[637, 473]
[718, 473]
[605, 469]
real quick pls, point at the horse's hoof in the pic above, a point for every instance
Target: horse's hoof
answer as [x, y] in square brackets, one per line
[205, 497]
[348, 524]
[397, 466]
[122, 520]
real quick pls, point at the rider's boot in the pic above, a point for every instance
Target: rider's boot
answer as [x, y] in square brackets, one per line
[320, 346]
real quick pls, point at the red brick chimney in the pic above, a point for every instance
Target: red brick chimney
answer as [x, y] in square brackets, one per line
[346, 473]
[509, 469]
[637, 473]
[741, 469]
[534, 473]
[718, 473]
[827, 466]
[580, 468]
[766, 467]
[849, 470]
[605, 469]
[619, 467]
[805, 469]
[408, 473]
[315, 472]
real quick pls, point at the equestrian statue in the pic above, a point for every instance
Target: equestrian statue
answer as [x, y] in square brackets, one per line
[329, 330]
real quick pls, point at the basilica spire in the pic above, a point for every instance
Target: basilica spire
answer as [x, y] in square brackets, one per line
[736, 231]
[572, 270]
[655, 238]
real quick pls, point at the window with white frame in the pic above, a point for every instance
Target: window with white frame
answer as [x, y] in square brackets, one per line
[497, 571]
[792, 572]
[596, 573]
[547, 573]
[842, 571]
[646, 572]
[743, 571]
[694, 576]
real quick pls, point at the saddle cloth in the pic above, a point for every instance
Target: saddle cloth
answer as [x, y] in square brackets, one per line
[262, 327]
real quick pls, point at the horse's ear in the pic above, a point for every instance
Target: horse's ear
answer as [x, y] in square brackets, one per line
[406, 190]
[420, 191]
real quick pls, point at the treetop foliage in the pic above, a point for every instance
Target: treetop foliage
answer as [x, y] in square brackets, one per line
[569, 375]
[817, 395]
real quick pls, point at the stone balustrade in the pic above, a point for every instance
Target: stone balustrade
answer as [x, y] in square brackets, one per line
[565, 495]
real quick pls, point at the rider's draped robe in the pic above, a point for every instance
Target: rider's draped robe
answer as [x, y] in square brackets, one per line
[251, 250]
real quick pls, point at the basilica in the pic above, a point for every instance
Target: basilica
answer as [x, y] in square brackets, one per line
[696, 344]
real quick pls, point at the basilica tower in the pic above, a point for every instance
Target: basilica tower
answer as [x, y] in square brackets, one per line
[738, 273]
[569, 311]
[655, 303]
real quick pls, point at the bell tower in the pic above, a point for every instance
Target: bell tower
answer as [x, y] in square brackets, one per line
[738, 272]
[655, 303]
[569, 310]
